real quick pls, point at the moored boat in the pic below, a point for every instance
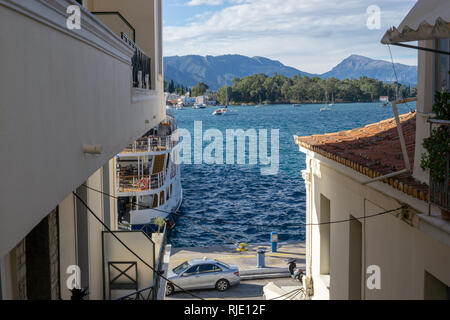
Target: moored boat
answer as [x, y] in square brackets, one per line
[149, 180]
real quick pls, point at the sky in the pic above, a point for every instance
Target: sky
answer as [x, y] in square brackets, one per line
[310, 35]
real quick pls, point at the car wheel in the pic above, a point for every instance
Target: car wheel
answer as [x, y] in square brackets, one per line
[170, 289]
[222, 285]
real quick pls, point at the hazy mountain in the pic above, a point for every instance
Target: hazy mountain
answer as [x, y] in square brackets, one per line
[357, 66]
[219, 71]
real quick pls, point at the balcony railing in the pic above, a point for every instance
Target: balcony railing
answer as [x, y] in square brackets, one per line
[141, 65]
[439, 189]
[141, 183]
[150, 144]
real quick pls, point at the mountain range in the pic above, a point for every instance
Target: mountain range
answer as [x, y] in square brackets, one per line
[219, 71]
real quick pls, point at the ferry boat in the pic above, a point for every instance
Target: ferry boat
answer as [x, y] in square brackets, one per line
[149, 180]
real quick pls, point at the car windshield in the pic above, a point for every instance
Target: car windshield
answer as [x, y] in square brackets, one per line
[178, 270]
[223, 264]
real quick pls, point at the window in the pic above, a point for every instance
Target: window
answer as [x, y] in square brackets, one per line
[181, 268]
[355, 260]
[442, 65]
[325, 233]
[192, 271]
[209, 268]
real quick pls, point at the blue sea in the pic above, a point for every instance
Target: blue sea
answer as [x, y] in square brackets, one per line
[219, 194]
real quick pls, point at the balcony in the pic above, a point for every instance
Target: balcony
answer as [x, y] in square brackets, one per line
[141, 182]
[440, 188]
[149, 145]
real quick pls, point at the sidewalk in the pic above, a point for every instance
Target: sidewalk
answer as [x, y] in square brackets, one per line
[276, 266]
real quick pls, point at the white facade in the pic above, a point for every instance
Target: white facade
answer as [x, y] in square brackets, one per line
[407, 250]
[67, 107]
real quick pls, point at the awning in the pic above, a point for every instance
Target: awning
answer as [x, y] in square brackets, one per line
[428, 20]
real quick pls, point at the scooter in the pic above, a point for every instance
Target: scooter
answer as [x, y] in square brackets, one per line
[296, 273]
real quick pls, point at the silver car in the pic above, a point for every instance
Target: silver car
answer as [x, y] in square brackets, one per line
[203, 274]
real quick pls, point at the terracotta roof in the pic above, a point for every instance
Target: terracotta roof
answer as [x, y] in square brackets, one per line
[373, 150]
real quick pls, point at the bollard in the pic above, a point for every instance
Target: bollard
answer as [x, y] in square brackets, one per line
[260, 263]
[274, 241]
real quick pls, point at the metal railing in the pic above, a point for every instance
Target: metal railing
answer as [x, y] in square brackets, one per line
[151, 293]
[141, 65]
[141, 183]
[439, 189]
[150, 144]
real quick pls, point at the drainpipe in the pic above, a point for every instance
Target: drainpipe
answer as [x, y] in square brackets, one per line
[402, 143]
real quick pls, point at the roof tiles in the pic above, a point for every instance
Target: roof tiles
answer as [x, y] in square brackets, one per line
[373, 150]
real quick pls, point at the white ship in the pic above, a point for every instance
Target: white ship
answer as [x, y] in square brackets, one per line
[149, 180]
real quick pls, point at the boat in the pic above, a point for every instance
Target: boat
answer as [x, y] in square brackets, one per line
[220, 112]
[385, 101]
[149, 187]
[224, 111]
[297, 105]
[327, 107]
[199, 106]
[332, 100]
[260, 103]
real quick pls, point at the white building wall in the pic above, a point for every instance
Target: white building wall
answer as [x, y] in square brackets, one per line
[400, 249]
[60, 90]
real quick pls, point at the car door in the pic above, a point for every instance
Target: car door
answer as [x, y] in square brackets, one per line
[190, 278]
[209, 275]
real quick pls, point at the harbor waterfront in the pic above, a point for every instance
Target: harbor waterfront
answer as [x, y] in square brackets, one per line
[230, 202]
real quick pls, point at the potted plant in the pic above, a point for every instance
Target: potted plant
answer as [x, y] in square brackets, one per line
[438, 144]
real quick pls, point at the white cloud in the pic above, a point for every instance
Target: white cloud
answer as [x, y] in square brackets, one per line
[312, 35]
[205, 2]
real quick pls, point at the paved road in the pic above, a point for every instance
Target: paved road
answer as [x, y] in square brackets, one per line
[248, 290]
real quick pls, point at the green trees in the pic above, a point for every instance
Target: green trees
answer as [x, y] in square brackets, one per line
[199, 90]
[298, 89]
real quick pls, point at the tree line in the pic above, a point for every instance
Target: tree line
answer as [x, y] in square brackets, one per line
[280, 89]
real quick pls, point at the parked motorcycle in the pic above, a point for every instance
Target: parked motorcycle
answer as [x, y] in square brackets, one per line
[296, 273]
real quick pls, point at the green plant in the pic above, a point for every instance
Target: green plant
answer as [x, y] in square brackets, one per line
[438, 144]
[160, 222]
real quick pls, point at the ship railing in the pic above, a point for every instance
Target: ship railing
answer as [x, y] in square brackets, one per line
[150, 144]
[141, 183]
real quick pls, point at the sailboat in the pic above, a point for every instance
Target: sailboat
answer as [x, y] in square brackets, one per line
[327, 107]
[332, 100]
[224, 111]
[260, 103]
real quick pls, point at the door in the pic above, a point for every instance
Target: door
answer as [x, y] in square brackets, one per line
[190, 278]
[209, 275]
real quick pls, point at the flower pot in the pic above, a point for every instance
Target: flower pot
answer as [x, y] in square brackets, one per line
[445, 214]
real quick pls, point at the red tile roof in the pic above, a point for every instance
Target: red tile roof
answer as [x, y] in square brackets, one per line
[373, 150]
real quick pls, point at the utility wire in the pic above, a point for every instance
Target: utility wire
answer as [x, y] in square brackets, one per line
[289, 295]
[256, 225]
[130, 250]
[396, 77]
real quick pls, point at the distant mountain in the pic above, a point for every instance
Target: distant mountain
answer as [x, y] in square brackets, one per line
[357, 66]
[219, 71]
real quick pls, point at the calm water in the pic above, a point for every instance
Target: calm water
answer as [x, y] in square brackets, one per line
[217, 194]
